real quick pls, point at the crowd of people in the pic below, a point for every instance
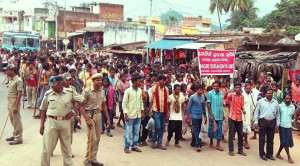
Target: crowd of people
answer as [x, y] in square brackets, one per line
[72, 87]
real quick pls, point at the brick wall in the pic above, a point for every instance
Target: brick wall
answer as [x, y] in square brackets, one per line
[111, 12]
[75, 20]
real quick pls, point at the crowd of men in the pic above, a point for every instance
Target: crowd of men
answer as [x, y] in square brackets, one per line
[69, 88]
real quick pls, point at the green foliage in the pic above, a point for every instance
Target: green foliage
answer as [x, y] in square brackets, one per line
[171, 17]
[244, 16]
[292, 30]
[287, 14]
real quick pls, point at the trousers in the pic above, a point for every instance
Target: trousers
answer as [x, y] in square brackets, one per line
[235, 126]
[96, 130]
[15, 119]
[57, 130]
[31, 95]
[266, 129]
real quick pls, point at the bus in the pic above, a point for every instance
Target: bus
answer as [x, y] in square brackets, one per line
[20, 41]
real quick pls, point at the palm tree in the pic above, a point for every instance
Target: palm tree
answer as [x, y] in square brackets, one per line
[232, 5]
[218, 5]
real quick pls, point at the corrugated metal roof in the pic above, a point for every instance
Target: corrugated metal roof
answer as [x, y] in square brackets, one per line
[193, 45]
[167, 44]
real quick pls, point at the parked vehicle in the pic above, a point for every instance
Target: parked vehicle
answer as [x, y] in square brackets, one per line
[21, 41]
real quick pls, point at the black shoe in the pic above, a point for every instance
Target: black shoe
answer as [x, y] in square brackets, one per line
[10, 139]
[97, 164]
[36, 116]
[271, 157]
[264, 157]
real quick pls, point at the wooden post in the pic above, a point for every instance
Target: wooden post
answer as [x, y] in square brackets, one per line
[285, 75]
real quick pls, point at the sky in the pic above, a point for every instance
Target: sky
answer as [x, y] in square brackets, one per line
[135, 8]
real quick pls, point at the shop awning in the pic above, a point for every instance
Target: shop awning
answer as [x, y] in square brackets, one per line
[92, 29]
[193, 46]
[167, 44]
[74, 34]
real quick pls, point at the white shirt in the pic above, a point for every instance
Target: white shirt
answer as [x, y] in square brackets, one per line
[133, 103]
[173, 114]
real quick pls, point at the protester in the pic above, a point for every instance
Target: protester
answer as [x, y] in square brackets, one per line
[159, 109]
[196, 110]
[249, 107]
[110, 96]
[235, 121]
[287, 111]
[133, 112]
[177, 107]
[267, 120]
[122, 85]
[215, 109]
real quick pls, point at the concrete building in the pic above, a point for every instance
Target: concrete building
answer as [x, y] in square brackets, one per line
[108, 33]
[109, 12]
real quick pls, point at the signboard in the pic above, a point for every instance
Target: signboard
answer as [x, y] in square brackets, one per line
[216, 62]
[66, 41]
[293, 74]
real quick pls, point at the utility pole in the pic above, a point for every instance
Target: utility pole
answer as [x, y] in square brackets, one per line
[56, 28]
[149, 31]
[66, 46]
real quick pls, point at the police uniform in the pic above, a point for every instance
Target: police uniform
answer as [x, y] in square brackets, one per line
[15, 85]
[57, 106]
[93, 101]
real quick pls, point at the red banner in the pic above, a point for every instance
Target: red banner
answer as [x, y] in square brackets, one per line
[216, 62]
[293, 74]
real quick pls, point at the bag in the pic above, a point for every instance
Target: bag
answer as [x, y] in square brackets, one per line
[151, 125]
[204, 131]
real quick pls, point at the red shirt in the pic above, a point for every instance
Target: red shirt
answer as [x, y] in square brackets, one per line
[32, 80]
[296, 92]
[236, 106]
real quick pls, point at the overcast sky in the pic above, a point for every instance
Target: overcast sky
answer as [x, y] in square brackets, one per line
[134, 8]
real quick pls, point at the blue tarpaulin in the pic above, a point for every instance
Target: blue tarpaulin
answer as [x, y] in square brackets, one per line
[167, 44]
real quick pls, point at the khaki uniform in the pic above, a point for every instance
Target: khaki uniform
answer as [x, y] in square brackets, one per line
[14, 86]
[58, 105]
[93, 101]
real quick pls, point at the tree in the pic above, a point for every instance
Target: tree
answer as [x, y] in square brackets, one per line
[248, 18]
[85, 4]
[233, 5]
[218, 5]
[287, 14]
[171, 17]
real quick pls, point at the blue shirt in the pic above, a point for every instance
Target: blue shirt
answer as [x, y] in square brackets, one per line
[196, 106]
[286, 115]
[268, 110]
[112, 81]
[216, 102]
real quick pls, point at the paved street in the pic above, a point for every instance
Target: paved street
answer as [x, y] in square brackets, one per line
[111, 149]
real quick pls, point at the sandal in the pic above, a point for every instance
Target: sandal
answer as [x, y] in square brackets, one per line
[290, 161]
[247, 146]
[252, 138]
[167, 143]
[212, 146]
[279, 157]
[242, 153]
[219, 148]
[177, 146]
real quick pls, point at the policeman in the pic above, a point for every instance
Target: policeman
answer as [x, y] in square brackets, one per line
[56, 107]
[94, 103]
[15, 88]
